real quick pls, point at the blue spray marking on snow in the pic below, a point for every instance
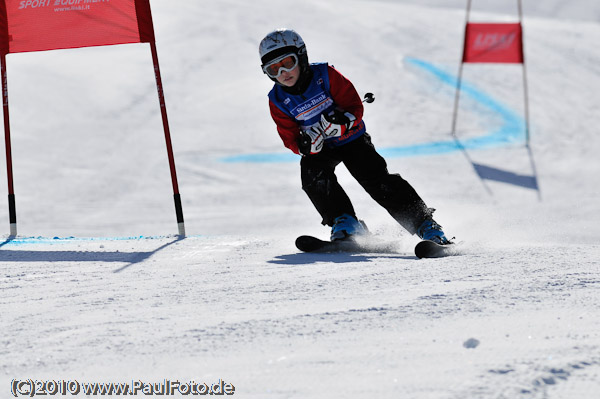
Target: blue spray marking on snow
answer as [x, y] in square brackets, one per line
[511, 130]
[17, 241]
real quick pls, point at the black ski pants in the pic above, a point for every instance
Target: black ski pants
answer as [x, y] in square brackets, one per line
[369, 168]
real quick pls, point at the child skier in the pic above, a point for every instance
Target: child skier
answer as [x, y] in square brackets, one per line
[318, 114]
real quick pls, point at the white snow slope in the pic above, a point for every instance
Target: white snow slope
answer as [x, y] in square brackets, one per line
[516, 315]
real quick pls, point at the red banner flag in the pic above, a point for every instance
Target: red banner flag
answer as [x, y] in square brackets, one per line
[493, 42]
[36, 25]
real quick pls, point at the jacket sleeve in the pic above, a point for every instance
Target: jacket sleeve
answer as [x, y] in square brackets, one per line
[344, 94]
[288, 128]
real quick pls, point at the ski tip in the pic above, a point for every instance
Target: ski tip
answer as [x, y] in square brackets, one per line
[430, 249]
[314, 244]
[309, 243]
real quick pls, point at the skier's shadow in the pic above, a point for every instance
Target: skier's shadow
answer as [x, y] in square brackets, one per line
[338, 257]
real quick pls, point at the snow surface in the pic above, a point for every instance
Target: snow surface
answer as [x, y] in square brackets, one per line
[97, 287]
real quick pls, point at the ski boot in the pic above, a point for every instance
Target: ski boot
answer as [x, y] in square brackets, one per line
[346, 226]
[430, 230]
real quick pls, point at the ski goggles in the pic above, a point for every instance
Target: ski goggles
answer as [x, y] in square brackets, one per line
[286, 63]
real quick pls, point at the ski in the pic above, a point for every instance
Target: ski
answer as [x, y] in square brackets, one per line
[424, 249]
[430, 249]
[361, 244]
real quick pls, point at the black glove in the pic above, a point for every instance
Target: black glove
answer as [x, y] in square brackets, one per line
[311, 141]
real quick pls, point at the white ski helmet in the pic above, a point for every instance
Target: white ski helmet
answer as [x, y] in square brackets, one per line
[280, 42]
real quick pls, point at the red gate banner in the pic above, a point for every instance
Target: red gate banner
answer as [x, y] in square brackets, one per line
[493, 42]
[36, 25]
